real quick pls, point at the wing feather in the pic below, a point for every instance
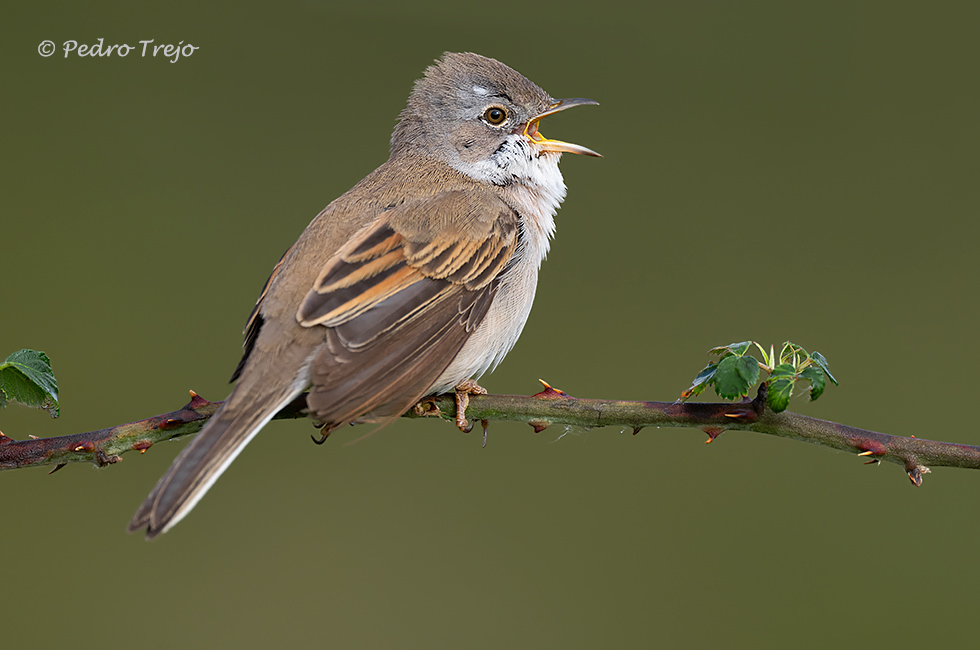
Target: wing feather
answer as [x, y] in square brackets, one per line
[400, 300]
[391, 254]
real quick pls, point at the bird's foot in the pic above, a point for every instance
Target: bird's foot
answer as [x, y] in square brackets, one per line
[464, 389]
[325, 431]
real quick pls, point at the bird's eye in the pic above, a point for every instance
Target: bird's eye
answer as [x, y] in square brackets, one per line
[495, 115]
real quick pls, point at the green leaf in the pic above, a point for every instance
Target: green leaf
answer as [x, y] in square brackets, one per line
[821, 361]
[748, 368]
[729, 382]
[817, 381]
[703, 379]
[781, 382]
[26, 378]
[780, 390]
[783, 370]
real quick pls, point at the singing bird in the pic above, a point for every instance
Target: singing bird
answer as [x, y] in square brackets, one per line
[415, 282]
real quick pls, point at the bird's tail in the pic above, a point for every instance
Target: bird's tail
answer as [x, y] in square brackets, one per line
[204, 459]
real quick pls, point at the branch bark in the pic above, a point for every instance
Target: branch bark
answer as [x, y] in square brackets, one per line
[551, 406]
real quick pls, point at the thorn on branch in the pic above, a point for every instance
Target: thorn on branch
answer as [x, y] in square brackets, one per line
[56, 468]
[142, 445]
[871, 448]
[713, 432]
[196, 401]
[539, 425]
[550, 393]
[742, 414]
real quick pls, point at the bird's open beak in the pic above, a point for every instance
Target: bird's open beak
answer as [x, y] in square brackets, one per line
[531, 130]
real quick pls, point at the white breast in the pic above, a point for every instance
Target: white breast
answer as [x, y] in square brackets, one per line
[536, 191]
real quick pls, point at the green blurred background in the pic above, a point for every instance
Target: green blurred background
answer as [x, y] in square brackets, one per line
[772, 170]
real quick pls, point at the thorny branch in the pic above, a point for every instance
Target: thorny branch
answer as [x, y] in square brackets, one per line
[550, 406]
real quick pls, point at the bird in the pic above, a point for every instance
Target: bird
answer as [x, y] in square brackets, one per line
[414, 282]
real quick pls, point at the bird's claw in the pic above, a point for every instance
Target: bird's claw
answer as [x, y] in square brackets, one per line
[464, 389]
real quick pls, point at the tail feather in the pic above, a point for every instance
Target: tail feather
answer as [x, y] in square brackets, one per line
[204, 459]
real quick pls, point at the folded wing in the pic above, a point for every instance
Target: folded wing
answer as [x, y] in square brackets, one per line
[400, 300]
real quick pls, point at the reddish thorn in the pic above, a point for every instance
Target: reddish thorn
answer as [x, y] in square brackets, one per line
[871, 448]
[196, 401]
[713, 432]
[169, 423]
[539, 425]
[142, 445]
[741, 413]
[85, 446]
[485, 424]
[33, 437]
[913, 437]
[4, 439]
[549, 392]
[636, 430]
[56, 468]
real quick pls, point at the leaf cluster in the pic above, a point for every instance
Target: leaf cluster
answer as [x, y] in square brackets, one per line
[737, 372]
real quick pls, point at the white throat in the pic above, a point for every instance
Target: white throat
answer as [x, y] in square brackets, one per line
[531, 183]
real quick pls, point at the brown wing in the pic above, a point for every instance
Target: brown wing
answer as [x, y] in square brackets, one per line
[400, 300]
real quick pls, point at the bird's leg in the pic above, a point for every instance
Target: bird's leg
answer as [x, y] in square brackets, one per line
[464, 389]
